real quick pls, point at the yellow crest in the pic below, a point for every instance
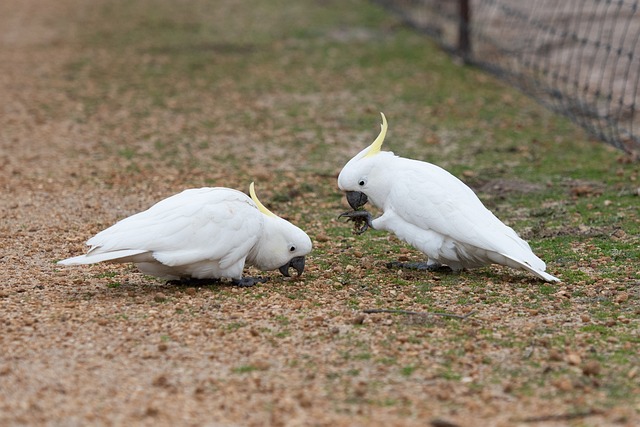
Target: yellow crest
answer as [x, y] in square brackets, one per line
[376, 145]
[261, 207]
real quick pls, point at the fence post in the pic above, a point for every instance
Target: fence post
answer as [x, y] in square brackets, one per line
[464, 27]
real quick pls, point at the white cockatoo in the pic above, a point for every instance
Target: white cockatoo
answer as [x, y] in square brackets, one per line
[203, 233]
[432, 210]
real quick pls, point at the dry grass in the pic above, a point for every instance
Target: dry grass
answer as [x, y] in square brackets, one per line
[111, 106]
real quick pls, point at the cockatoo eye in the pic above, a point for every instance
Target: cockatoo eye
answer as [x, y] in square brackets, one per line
[292, 248]
[361, 182]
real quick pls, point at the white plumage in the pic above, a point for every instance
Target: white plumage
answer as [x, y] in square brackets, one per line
[434, 211]
[204, 233]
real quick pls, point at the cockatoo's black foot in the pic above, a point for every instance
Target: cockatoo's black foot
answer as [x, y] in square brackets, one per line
[421, 266]
[247, 282]
[361, 220]
[190, 281]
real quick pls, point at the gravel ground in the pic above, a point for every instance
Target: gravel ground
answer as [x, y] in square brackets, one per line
[105, 345]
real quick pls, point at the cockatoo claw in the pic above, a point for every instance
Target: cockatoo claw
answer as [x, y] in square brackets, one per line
[247, 282]
[358, 217]
[189, 281]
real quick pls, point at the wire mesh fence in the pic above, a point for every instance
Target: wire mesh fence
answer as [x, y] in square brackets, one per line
[577, 57]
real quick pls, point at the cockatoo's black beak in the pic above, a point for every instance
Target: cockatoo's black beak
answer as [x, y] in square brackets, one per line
[356, 199]
[297, 263]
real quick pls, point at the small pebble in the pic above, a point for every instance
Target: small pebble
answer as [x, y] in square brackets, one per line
[359, 320]
[564, 384]
[591, 368]
[322, 237]
[159, 297]
[161, 381]
[574, 359]
[555, 355]
[622, 297]
[152, 411]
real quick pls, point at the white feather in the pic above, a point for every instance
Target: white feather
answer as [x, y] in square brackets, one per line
[99, 257]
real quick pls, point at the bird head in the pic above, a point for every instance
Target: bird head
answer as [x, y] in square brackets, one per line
[282, 246]
[362, 177]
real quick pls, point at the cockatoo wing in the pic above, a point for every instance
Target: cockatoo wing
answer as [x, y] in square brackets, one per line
[436, 200]
[99, 257]
[195, 225]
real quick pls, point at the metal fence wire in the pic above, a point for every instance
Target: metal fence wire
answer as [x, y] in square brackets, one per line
[577, 57]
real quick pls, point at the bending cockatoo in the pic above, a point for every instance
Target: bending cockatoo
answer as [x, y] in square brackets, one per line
[203, 233]
[432, 210]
